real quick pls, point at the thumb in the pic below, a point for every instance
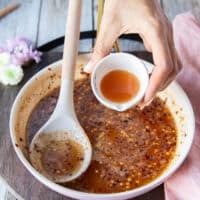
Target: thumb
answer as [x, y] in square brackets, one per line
[105, 40]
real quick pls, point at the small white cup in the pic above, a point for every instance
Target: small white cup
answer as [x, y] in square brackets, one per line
[120, 61]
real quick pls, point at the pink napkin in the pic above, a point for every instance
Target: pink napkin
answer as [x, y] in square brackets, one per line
[185, 183]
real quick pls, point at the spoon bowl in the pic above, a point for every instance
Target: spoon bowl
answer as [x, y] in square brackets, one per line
[58, 129]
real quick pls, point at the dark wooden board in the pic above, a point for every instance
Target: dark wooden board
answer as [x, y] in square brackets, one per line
[11, 168]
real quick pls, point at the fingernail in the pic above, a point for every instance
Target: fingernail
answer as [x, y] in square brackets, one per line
[88, 67]
[149, 102]
[143, 105]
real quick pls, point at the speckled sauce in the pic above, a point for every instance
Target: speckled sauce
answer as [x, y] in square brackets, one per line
[61, 158]
[130, 148]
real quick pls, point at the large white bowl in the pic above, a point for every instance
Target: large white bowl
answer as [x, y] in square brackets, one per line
[48, 79]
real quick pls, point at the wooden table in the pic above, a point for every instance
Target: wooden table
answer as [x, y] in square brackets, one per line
[42, 21]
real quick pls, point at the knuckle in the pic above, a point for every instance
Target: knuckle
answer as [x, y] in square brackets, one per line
[99, 50]
[167, 68]
[160, 26]
[164, 70]
[156, 26]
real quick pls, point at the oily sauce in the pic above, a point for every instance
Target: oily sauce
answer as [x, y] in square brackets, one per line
[62, 157]
[119, 86]
[130, 148]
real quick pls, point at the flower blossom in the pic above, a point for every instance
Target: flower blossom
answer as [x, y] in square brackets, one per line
[11, 74]
[13, 55]
[22, 51]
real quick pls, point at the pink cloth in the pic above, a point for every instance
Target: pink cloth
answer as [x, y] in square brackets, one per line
[185, 183]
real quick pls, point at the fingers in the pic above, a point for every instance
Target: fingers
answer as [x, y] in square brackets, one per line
[109, 32]
[158, 42]
[167, 63]
[173, 74]
[146, 43]
[176, 61]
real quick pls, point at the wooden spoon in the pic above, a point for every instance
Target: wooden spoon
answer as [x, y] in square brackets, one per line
[63, 123]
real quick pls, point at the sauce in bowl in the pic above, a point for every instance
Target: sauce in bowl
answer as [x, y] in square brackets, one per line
[119, 86]
[130, 148]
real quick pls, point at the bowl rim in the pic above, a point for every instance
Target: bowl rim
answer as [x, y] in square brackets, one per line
[84, 195]
[143, 84]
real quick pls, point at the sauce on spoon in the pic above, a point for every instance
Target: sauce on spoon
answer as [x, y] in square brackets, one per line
[62, 157]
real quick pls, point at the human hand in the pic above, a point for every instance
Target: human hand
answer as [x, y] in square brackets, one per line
[148, 20]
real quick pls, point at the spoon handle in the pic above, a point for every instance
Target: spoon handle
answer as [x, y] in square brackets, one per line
[71, 39]
[65, 101]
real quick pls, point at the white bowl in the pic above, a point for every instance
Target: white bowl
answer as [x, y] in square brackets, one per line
[48, 79]
[120, 61]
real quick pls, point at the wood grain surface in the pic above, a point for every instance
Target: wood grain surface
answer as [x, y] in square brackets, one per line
[23, 21]
[42, 21]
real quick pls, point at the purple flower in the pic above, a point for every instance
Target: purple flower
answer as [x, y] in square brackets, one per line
[21, 51]
[2, 50]
[36, 55]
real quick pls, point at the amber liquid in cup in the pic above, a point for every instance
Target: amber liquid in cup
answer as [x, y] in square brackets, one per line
[119, 86]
